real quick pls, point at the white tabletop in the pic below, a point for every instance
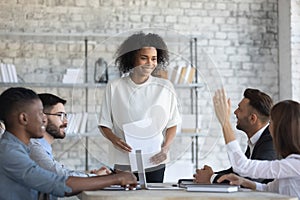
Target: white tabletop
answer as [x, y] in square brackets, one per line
[178, 194]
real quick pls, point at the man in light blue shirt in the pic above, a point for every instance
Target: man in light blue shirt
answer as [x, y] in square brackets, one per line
[41, 149]
[20, 173]
[21, 178]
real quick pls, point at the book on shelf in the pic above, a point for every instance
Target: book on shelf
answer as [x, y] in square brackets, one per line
[69, 128]
[175, 74]
[83, 123]
[77, 123]
[182, 74]
[188, 123]
[8, 73]
[73, 75]
[191, 75]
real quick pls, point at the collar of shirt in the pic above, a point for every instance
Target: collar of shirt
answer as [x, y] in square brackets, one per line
[252, 141]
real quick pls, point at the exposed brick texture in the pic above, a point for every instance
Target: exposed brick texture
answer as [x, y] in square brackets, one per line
[237, 48]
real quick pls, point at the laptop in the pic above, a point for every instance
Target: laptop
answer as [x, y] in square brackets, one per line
[142, 183]
[142, 177]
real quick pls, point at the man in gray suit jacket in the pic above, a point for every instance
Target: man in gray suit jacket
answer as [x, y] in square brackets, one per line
[252, 115]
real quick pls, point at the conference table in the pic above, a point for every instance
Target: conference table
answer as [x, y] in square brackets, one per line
[176, 194]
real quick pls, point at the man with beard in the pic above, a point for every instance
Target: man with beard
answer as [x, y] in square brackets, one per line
[41, 150]
[252, 115]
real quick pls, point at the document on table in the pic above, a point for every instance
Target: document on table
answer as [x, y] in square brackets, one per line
[146, 136]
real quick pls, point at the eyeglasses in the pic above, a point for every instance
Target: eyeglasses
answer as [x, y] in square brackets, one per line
[62, 115]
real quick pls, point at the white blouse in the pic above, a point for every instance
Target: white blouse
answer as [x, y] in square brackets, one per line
[285, 172]
[127, 102]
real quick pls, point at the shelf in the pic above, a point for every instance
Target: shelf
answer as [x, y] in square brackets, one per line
[62, 85]
[85, 85]
[192, 85]
[170, 38]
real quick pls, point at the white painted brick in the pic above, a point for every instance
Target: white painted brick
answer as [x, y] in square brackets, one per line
[93, 3]
[255, 6]
[244, 7]
[221, 6]
[80, 3]
[219, 20]
[232, 35]
[239, 58]
[231, 50]
[185, 4]
[219, 13]
[171, 19]
[196, 12]
[219, 42]
[183, 20]
[158, 19]
[197, 5]
[209, 6]
[221, 35]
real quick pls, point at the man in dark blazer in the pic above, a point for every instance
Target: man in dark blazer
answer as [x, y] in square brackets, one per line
[252, 115]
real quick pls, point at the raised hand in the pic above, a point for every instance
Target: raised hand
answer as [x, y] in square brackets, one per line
[222, 106]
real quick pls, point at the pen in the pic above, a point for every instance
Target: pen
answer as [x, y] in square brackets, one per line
[113, 171]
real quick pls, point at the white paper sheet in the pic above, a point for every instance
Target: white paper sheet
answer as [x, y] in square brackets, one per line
[146, 136]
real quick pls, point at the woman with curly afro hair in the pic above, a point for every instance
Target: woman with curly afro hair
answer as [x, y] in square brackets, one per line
[140, 97]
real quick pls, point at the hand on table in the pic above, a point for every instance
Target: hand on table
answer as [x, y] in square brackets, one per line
[127, 179]
[203, 175]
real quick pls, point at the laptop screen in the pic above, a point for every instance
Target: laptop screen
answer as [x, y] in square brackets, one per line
[141, 169]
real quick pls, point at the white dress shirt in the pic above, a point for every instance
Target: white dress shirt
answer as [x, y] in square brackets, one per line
[285, 172]
[253, 140]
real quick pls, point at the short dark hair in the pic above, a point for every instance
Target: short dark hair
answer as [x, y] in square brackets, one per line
[260, 101]
[126, 53]
[50, 100]
[285, 117]
[13, 99]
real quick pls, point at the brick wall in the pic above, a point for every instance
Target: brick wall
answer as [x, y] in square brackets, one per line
[237, 48]
[295, 45]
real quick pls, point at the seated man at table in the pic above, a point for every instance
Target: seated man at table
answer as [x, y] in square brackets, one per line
[41, 149]
[252, 115]
[21, 110]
